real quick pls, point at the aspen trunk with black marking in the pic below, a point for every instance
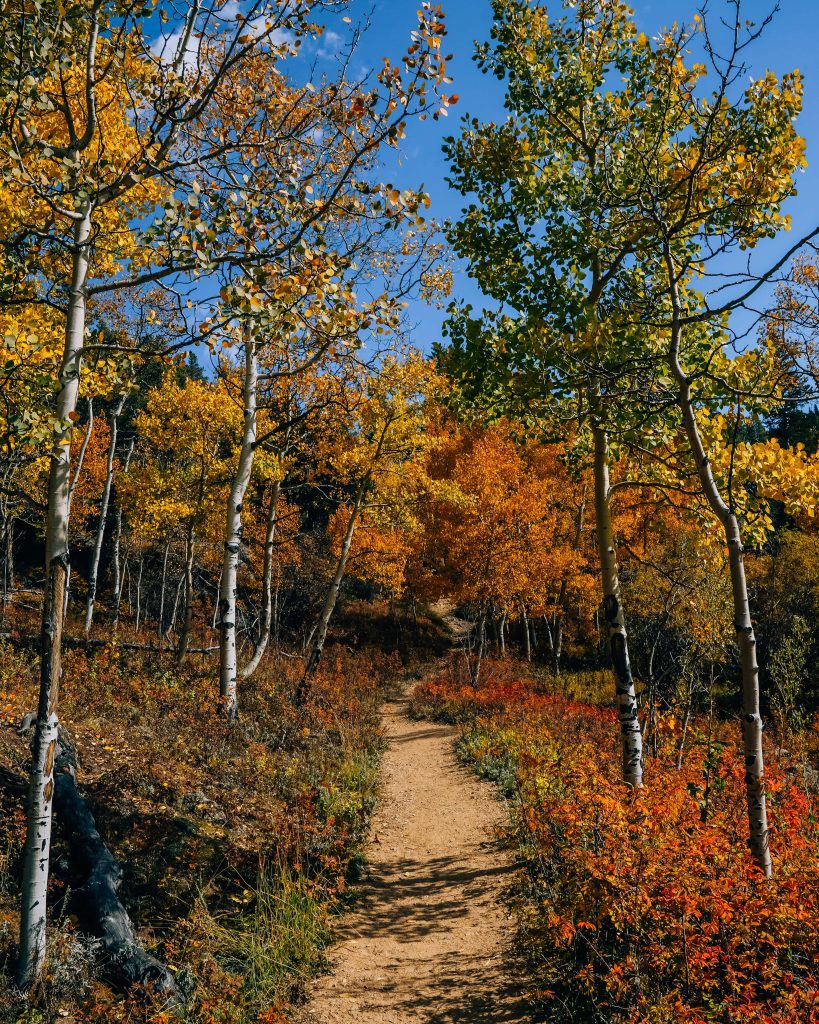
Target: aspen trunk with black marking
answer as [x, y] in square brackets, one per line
[550, 639]
[630, 732]
[746, 640]
[557, 644]
[557, 622]
[481, 643]
[75, 477]
[233, 540]
[8, 557]
[172, 624]
[97, 896]
[104, 501]
[138, 618]
[214, 622]
[266, 615]
[37, 851]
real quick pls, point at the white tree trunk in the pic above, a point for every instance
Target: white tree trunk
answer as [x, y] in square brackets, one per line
[267, 585]
[527, 641]
[746, 641]
[162, 587]
[106, 497]
[41, 780]
[215, 618]
[73, 486]
[172, 623]
[118, 574]
[8, 556]
[557, 620]
[557, 650]
[126, 573]
[139, 594]
[481, 643]
[630, 732]
[75, 478]
[187, 616]
[233, 539]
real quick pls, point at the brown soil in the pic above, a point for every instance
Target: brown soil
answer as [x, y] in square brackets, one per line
[430, 937]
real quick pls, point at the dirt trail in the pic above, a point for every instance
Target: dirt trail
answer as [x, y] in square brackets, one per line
[429, 939]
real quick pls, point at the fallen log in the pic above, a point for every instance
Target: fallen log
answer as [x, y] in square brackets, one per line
[26, 640]
[125, 960]
[75, 641]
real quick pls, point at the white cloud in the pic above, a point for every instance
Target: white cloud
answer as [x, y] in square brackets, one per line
[166, 47]
[330, 45]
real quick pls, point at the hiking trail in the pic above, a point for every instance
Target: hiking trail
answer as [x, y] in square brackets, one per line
[430, 937]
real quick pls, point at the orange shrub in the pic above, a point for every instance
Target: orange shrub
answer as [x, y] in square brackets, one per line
[645, 906]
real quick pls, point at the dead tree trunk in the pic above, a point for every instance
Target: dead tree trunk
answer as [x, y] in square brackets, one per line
[266, 616]
[319, 632]
[97, 898]
[106, 497]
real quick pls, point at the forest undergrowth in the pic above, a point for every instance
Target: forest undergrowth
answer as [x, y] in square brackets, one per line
[237, 840]
[641, 904]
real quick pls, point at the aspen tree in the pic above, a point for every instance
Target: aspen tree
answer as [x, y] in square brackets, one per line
[702, 169]
[188, 443]
[722, 165]
[266, 610]
[228, 669]
[311, 209]
[488, 527]
[538, 240]
[99, 122]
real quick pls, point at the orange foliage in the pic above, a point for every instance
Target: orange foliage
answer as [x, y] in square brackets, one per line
[379, 551]
[210, 820]
[645, 906]
[497, 531]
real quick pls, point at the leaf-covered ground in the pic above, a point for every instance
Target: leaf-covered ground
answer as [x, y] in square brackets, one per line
[236, 841]
[642, 906]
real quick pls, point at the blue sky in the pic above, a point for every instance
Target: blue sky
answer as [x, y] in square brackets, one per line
[792, 41]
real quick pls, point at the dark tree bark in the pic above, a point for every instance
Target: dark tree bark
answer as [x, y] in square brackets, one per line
[126, 962]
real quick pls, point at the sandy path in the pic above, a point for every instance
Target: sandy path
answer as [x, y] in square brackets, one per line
[429, 939]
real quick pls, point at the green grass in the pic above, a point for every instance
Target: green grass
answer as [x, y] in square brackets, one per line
[279, 942]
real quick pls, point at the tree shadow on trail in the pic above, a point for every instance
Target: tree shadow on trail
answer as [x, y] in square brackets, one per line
[409, 899]
[416, 901]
